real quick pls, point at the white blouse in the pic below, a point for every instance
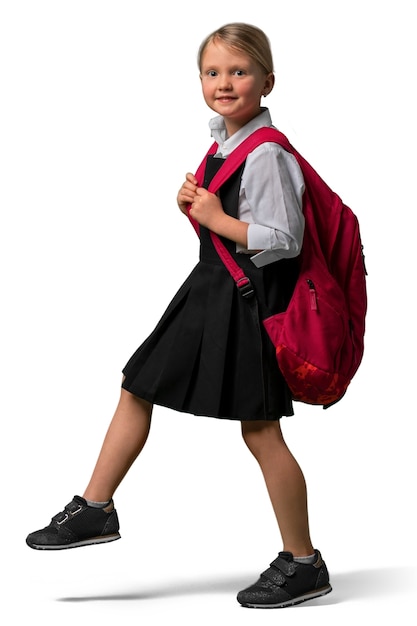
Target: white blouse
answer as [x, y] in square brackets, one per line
[271, 193]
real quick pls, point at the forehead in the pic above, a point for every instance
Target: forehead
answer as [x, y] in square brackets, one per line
[218, 53]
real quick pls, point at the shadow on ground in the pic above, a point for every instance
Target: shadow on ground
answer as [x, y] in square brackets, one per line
[359, 585]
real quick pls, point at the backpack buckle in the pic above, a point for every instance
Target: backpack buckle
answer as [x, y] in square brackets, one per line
[245, 287]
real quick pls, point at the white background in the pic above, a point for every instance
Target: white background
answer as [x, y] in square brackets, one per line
[101, 116]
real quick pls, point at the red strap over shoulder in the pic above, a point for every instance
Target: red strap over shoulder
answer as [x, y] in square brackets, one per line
[231, 164]
[239, 154]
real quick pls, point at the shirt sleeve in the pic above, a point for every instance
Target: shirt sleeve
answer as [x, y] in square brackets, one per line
[271, 202]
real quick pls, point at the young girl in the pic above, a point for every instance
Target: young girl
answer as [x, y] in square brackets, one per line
[208, 355]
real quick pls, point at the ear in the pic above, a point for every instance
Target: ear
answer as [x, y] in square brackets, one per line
[269, 84]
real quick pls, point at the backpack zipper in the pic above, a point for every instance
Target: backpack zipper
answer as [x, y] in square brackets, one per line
[313, 296]
[363, 261]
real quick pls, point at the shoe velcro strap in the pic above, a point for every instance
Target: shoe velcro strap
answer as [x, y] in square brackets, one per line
[286, 567]
[71, 509]
[275, 576]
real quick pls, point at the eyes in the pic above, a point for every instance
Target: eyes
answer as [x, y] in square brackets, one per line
[236, 72]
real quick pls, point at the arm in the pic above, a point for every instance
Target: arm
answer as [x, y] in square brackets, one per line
[271, 201]
[270, 208]
[207, 210]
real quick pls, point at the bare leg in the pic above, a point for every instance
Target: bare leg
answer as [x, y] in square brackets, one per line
[284, 481]
[125, 438]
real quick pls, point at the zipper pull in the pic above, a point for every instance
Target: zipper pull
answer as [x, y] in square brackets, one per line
[313, 298]
[363, 261]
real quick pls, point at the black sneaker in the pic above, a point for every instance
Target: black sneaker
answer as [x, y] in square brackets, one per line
[77, 525]
[287, 582]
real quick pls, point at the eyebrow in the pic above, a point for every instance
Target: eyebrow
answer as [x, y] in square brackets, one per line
[232, 68]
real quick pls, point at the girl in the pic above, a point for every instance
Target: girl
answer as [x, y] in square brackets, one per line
[208, 355]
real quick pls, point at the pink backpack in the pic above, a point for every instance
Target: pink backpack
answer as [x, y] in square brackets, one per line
[319, 339]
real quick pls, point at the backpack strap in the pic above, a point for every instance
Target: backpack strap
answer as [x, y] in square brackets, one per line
[200, 177]
[239, 154]
[231, 164]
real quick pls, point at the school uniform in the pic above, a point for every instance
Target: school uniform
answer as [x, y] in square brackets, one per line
[209, 355]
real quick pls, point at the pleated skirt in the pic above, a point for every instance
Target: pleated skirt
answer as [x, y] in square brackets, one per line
[209, 355]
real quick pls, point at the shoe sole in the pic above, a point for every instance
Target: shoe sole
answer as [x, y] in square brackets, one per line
[77, 544]
[317, 593]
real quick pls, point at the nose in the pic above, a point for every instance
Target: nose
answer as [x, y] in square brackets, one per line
[225, 84]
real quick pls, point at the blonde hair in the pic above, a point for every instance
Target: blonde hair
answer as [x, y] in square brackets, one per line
[244, 38]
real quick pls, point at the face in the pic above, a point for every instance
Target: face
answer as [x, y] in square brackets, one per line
[233, 84]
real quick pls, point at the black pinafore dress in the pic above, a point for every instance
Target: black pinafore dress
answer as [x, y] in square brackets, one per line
[208, 355]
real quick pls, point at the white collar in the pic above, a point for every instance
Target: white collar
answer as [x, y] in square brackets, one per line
[227, 144]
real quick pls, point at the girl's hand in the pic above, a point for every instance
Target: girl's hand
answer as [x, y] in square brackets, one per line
[187, 192]
[206, 209]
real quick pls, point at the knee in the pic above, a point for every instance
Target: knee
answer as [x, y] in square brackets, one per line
[128, 396]
[259, 436]
[134, 405]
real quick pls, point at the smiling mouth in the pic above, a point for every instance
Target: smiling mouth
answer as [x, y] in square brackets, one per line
[225, 98]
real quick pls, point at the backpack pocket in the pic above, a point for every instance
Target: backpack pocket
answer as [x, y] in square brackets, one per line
[312, 340]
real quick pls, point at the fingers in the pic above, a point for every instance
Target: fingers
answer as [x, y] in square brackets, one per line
[187, 192]
[191, 178]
